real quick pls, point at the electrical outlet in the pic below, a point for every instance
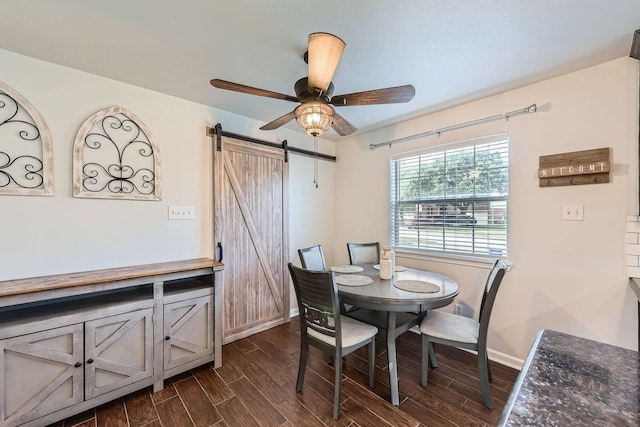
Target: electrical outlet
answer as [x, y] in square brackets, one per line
[458, 309]
[182, 212]
[573, 212]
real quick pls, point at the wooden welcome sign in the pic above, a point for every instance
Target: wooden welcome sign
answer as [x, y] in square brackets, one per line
[576, 168]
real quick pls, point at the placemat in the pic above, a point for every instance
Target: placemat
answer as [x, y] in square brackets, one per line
[419, 286]
[353, 280]
[398, 267]
[347, 268]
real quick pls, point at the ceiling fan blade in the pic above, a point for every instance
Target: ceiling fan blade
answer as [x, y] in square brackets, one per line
[390, 95]
[275, 124]
[324, 54]
[237, 87]
[342, 126]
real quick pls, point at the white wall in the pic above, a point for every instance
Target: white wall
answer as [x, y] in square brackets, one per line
[314, 216]
[567, 276]
[62, 234]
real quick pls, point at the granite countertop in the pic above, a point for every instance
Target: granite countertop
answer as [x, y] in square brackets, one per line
[567, 380]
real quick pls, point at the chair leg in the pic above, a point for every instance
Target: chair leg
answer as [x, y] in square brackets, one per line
[432, 355]
[426, 347]
[337, 386]
[372, 361]
[332, 362]
[483, 368]
[302, 366]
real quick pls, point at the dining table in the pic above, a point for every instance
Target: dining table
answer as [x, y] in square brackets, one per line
[393, 305]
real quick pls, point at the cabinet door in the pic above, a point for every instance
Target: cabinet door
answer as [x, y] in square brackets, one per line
[40, 373]
[118, 351]
[188, 331]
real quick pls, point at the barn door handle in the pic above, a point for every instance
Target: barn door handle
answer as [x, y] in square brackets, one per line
[90, 361]
[78, 364]
[220, 251]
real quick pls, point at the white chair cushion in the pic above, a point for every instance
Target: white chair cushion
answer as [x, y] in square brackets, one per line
[450, 327]
[353, 332]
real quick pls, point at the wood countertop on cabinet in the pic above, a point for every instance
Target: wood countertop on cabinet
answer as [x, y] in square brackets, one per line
[69, 280]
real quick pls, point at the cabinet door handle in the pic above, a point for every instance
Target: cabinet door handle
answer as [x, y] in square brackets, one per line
[167, 338]
[77, 365]
[90, 361]
[220, 249]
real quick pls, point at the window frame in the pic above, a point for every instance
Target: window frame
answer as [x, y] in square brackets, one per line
[449, 250]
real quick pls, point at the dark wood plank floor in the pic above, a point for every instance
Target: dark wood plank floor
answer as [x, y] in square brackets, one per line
[256, 387]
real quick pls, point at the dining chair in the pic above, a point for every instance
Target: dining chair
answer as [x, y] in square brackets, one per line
[312, 258]
[364, 253]
[322, 326]
[463, 332]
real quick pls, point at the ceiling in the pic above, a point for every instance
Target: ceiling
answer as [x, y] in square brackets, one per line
[451, 51]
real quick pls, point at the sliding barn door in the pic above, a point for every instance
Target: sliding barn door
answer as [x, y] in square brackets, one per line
[250, 199]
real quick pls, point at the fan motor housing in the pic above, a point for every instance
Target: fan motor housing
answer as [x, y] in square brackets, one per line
[302, 91]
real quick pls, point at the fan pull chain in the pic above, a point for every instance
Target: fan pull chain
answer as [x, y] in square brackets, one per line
[315, 161]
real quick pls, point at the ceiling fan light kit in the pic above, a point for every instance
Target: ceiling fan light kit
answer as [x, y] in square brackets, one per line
[314, 117]
[315, 113]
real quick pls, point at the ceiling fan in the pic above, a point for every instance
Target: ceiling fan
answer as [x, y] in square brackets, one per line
[315, 92]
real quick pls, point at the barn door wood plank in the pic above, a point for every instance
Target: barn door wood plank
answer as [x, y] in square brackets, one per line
[253, 232]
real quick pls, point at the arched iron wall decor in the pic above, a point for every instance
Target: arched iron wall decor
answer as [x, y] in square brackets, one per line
[115, 157]
[26, 154]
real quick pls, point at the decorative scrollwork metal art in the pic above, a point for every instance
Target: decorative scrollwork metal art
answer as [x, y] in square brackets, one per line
[115, 156]
[25, 147]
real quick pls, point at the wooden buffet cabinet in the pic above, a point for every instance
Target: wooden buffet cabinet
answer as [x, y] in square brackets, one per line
[71, 342]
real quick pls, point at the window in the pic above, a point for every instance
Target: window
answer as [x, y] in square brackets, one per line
[453, 201]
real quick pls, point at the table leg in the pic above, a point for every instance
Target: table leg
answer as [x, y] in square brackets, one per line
[391, 356]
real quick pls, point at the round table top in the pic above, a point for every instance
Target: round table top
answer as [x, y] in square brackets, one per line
[383, 295]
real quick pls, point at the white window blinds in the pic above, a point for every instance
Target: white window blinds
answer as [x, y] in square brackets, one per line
[454, 200]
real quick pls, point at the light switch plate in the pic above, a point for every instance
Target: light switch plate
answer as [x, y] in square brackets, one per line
[573, 212]
[182, 212]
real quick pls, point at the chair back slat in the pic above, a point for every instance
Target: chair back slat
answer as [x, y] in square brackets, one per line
[364, 253]
[312, 258]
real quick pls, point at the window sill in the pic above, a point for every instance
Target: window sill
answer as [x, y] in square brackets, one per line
[464, 260]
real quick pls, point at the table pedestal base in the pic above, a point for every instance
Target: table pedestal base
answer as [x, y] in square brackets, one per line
[391, 324]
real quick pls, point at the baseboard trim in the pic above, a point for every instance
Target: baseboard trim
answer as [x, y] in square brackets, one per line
[496, 356]
[505, 359]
